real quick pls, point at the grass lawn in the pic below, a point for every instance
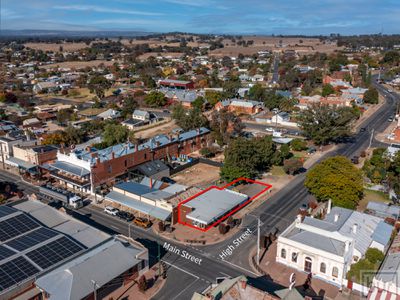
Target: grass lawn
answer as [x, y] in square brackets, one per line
[277, 171]
[370, 195]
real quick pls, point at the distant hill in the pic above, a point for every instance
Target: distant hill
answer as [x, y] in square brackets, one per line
[65, 33]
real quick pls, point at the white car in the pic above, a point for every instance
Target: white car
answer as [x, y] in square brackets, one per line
[269, 129]
[111, 210]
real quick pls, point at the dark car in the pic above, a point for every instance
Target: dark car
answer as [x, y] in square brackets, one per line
[355, 160]
[125, 216]
[362, 129]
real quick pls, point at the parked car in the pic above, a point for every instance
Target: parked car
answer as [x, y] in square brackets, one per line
[390, 119]
[355, 160]
[269, 129]
[303, 207]
[362, 129]
[142, 222]
[111, 210]
[125, 216]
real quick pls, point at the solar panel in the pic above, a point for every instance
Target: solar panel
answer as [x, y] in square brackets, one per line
[6, 210]
[54, 252]
[15, 271]
[5, 252]
[16, 226]
[32, 238]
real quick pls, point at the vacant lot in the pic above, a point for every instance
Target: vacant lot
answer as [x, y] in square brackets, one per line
[200, 175]
[370, 195]
[56, 47]
[78, 64]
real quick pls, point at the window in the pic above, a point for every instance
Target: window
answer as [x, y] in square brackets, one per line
[145, 156]
[283, 253]
[335, 272]
[109, 168]
[294, 257]
[308, 264]
[126, 163]
[322, 268]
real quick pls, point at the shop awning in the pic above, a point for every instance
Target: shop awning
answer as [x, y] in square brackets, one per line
[139, 206]
[20, 163]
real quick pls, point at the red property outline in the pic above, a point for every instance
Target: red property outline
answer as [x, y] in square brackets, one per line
[268, 186]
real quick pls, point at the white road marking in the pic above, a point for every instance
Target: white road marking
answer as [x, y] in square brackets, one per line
[176, 297]
[240, 267]
[225, 274]
[180, 269]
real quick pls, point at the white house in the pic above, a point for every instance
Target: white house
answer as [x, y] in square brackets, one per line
[141, 115]
[327, 248]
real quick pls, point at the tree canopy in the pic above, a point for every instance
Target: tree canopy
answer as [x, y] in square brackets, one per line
[115, 133]
[336, 178]
[225, 125]
[371, 96]
[188, 119]
[324, 124]
[155, 99]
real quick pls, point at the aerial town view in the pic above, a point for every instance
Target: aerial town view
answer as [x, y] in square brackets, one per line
[199, 150]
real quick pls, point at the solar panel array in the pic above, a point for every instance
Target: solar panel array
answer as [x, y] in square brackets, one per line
[15, 271]
[32, 238]
[6, 210]
[16, 226]
[19, 235]
[5, 252]
[54, 252]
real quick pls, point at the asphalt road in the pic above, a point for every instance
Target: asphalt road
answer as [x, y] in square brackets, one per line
[275, 74]
[184, 276]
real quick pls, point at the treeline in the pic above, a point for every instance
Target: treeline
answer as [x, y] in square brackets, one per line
[375, 40]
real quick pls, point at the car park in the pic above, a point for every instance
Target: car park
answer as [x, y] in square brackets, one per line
[111, 210]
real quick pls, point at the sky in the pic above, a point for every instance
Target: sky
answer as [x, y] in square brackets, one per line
[308, 17]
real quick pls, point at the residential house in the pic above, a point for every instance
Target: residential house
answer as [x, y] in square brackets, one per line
[176, 84]
[109, 114]
[185, 97]
[240, 106]
[327, 248]
[45, 86]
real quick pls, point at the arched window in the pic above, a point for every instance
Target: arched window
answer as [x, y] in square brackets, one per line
[335, 272]
[322, 268]
[294, 257]
[283, 253]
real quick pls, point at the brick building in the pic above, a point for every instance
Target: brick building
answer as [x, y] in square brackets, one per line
[176, 84]
[90, 168]
[240, 106]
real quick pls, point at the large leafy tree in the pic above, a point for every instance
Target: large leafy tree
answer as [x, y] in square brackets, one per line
[188, 119]
[246, 158]
[98, 84]
[336, 178]
[225, 125]
[371, 96]
[327, 89]
[324, 124]
[155, 99]
[115, 133]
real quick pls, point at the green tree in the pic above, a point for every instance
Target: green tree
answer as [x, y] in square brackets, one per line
[324, 124]
[213, 97]
[155, 99]
[374, 255]
[327, 90]
[362, 272]
[188, 119]
[336, 178]
[257, 92]
[292, 166]
[98, 84]
[198, 103]
[115, 133]
[298, 144]
[371, 96]
[129, 106]
[247, 158]
[225, 125]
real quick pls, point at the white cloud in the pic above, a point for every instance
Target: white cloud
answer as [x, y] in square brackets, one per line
[105, 10]
[8, 14]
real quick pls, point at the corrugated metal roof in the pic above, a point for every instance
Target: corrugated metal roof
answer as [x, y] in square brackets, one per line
[134, 188]
[70, 168]
[213, 204]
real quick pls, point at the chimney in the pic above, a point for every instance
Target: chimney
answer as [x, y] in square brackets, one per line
[198, 130]
[98, 160]
[299, 219]
[243, 284]
[347, 246]
[112, 155]
[151, 182]
[136, 147]
[158, 144]
[336, 218]
[355, 228]
[328, 210]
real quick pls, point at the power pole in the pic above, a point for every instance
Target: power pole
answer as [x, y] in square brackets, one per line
[258, 239]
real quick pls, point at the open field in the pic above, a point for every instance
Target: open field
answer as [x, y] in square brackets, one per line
[56, 47]
[78, 64]
[305, 45]
[200, 175]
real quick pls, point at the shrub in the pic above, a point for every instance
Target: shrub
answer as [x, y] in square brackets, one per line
[142, 283]
[298, 145]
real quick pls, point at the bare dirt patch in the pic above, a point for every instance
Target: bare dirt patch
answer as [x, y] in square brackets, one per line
[78, 64]
[70, 47]
[199, 175]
